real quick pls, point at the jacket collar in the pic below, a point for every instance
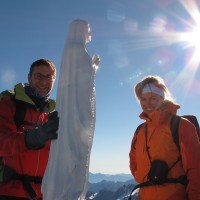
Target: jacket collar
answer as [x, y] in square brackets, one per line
[22, 96]
[162, 114]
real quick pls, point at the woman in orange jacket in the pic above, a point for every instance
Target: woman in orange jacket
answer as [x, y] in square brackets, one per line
[154, 156]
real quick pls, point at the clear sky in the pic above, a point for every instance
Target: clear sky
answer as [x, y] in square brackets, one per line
[133, 38]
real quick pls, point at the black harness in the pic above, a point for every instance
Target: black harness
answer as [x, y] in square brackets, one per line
[26, 182]
[158, 171]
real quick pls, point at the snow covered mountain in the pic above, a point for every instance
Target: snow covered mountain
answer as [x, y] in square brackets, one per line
[110, 187]
[98, 177]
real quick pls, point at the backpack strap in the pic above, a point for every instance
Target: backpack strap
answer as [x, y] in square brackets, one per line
[136, 133]
[193, 119]
[20, 113]
[181, 179]
[174, 127]
[26, 182]
[21, 108]
[138, 128]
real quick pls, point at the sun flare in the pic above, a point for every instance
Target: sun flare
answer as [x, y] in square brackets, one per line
[161, 33]
[184, 32]
[192, 39]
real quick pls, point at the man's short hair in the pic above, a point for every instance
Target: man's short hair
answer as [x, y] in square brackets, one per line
[44, 62]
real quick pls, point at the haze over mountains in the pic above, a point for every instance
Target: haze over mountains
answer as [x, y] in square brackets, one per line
[97, 177]
[110, 187]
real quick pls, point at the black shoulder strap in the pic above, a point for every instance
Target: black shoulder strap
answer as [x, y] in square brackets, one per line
[136, 133]
[193, 119]
[20, 113]
[20, 108]
[138, 128]
[174, 126]
[181, 179]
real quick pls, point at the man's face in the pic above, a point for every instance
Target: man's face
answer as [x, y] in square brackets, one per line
[42, 79]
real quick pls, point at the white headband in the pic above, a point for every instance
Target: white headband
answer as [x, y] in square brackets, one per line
[149, 87]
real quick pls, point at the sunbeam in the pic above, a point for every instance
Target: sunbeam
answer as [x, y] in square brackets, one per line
[160, 32]
[163, 32]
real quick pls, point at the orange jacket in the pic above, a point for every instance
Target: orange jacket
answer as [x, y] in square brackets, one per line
[162, 147]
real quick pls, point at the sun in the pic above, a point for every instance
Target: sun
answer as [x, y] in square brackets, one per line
[164, 31]
[191, 39]
[160, 33]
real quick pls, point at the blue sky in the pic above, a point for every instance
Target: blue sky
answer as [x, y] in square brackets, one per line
[133, 38]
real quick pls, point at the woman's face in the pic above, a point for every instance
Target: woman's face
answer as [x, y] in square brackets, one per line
[150, 102]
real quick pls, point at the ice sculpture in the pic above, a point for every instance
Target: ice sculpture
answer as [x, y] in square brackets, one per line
[66, 175]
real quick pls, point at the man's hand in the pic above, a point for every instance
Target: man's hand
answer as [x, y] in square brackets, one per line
[36, 138]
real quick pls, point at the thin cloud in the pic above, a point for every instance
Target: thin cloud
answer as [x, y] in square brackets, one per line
[8, 76]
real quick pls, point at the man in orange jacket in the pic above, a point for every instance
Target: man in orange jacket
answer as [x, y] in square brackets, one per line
[24, 146]
[154, 156]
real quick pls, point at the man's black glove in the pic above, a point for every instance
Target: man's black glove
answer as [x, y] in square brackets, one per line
[36, 138]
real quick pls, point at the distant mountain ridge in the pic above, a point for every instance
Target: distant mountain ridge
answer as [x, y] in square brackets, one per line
[110, 187]
[98, 177]
[108, 191]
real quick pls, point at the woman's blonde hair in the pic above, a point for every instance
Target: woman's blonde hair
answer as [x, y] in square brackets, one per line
[157, 81]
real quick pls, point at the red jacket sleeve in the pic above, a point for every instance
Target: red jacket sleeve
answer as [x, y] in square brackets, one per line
[132, 156]
[190, 151]
[11, 141]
